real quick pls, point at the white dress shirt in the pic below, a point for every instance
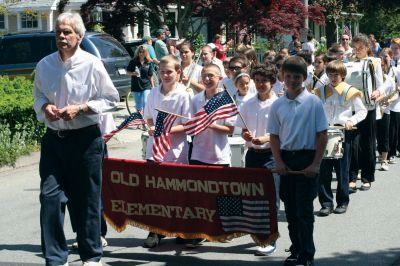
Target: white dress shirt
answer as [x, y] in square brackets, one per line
[81, 79]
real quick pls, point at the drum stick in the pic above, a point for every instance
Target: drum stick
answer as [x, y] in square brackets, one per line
[323, 83]
[160, 110]
[340, 127]
[240, 115]
[290, 172]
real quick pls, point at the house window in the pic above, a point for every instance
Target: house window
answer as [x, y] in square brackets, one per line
[29, 21]
[2, 21]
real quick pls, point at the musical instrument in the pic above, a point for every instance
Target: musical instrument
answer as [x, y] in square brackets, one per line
[191, 72]
[237, 145]
[361, 75]
[334, 148]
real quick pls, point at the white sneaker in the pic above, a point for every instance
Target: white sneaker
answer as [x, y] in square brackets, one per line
[104, 242]
[384, 166]
[92, 263]
[265, 251]
[391, 160]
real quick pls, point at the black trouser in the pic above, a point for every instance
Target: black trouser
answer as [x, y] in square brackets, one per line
[260, 159]
[298, 193]
[363, 149]
[70, 171]
[382, 133]
[394, 133]
[103, 227]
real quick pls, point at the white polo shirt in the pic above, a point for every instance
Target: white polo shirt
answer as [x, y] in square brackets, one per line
[255, 113]
[297, 121]
[211, 146]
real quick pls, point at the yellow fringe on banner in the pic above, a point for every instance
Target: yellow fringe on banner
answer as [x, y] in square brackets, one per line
[220, 238]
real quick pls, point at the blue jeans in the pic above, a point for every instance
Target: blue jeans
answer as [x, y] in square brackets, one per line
[141, 99]
[70, 171]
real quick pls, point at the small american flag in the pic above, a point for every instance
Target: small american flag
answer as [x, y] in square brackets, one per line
[134, 119]
[347, 31]
[161, 143]
[237, 214]
[220, 106]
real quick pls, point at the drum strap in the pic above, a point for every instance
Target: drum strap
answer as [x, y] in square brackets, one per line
[322, 93]
[343, 97]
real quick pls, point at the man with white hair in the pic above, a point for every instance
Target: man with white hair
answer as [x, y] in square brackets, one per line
[72, 90]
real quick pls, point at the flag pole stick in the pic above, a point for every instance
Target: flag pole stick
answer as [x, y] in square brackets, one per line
[240, 115]
[160, 110]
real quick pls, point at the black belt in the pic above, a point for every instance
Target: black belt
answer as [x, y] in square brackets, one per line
[259, 150]
[63, 133]
[298, 152]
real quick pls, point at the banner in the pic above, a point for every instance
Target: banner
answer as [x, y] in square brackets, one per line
[212, 202]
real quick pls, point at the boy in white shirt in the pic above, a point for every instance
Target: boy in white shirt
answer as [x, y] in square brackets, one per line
[170, 96]
[210, 147]
[298, 136]
[255, 114]
[340, 101]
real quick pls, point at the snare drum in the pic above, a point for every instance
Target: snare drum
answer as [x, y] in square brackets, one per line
[334, 148]
[144, 137]
[237, 145]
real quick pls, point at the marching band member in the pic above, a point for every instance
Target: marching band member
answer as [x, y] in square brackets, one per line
[298, 134]
[191, 71]
[364, 157]
[383, 124]
[395, 47]
[394, 128]
[255, 114]
[340, 100]
[319, 78]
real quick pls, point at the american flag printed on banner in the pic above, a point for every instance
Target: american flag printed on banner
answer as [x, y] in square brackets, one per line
[134, 119]
[237, 214]
[347, 31]
[161, 143]
[220, 106]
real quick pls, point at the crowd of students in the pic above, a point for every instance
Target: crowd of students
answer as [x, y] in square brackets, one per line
[289, 104]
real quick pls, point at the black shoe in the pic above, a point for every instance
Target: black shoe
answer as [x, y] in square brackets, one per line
[152, 240]
[340, 209]
[181, 241]
[304, 262]
[325, 211]
[195, 242]
[291, 260]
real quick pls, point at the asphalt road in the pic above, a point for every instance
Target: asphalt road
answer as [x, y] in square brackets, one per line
[367, 235]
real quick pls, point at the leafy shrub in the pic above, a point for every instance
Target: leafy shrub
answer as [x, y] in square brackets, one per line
[20, 130]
